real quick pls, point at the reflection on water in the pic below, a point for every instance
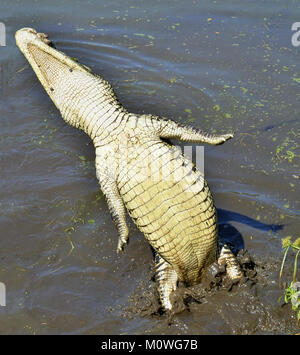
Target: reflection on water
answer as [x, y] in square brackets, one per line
[220, 66]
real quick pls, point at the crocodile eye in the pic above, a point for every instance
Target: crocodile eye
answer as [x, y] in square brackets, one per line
[51, 89]
[71, 70]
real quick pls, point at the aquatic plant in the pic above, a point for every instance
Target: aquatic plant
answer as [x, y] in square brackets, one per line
[292, 292]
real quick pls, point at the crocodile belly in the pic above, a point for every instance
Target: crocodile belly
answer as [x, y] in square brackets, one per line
[170, 202]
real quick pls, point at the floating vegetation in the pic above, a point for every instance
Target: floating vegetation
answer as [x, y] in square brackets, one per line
[81, 217]
[72, 245]
[287, 150]
[139, 34]
[87, 164]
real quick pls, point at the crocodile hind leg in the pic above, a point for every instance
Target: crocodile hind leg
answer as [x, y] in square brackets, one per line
[228, 259]
[167, 279]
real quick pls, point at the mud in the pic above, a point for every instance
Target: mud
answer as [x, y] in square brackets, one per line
[243, 307]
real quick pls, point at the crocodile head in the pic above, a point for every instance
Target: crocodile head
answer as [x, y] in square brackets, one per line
[53, 68]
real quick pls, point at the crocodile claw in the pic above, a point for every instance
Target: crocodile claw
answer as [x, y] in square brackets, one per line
[223, 138]
[121, 244]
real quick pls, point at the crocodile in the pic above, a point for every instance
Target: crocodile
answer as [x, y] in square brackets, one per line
[138, 168]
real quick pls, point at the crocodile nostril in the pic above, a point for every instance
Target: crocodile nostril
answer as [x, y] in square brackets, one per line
[43, 35]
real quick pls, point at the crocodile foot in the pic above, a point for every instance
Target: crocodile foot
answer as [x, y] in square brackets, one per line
[223, 138]
[121, 244]
[228, 259]
[167, 281]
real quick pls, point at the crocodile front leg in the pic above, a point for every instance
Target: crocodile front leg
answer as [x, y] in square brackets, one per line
[109, 187]
[171, 130]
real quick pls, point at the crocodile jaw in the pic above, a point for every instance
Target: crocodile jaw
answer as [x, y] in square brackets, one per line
[50, 65]
[70, 85]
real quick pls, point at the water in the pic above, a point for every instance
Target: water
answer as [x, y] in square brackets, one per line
[220, 66]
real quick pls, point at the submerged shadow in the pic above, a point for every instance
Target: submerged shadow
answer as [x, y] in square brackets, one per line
[229, 234]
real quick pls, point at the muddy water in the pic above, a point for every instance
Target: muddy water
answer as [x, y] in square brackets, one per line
[218, 65]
